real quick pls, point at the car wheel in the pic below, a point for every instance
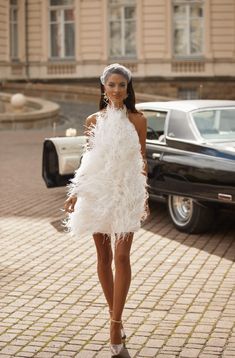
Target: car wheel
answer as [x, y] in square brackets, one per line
[188, 215]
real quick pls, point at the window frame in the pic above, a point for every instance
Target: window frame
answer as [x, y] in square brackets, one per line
[186, 93]
[188, 5]
[14, 40]
[122, 5]
[61, 24]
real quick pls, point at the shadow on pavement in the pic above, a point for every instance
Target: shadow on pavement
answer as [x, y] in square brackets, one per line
[219, 240]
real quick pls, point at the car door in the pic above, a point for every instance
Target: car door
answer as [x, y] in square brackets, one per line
[155, 146]
[61, 157]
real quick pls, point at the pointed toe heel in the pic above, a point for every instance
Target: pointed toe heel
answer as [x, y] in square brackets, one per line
[117, 349]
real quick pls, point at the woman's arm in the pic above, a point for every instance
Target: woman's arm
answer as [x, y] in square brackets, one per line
[89, 124]
[140, 123]
[73, 191]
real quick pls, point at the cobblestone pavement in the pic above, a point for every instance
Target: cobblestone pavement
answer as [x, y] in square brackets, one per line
[181, 301]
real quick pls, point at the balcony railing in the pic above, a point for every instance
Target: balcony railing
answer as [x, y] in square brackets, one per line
[187, 66]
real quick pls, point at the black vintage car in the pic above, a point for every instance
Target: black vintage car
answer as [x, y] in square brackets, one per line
[190, 154]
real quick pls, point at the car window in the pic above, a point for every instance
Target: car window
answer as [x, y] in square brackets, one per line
[215, 124]
[205, 121]
[155, 124]
[227, 120]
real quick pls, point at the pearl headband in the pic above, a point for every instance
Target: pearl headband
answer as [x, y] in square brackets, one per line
[112, 69]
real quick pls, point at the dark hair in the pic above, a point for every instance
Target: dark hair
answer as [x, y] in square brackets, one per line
[129, 101]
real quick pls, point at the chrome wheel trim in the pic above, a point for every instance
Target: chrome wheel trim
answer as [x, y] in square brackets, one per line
[181, 209]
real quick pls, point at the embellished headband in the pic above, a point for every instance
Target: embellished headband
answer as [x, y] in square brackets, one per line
[112, 69]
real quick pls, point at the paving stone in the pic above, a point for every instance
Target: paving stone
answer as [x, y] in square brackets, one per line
[154, 343]
[189, 352]
[45, 354]
[167, 355]
[10, 349]
[175, 342]
[206, 355]
[148, 352]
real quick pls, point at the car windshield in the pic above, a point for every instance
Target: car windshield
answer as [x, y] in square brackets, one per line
[218, 124]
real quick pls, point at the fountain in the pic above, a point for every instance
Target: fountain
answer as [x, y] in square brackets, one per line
[20, 112]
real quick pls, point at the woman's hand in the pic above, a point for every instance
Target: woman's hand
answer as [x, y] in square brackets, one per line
[146, 212]
[147, 209]
[69, 204]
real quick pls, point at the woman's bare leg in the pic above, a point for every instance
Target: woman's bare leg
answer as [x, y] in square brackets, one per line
[104, 265]
[121, 283]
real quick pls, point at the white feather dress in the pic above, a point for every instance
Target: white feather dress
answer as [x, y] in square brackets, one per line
[110, 183]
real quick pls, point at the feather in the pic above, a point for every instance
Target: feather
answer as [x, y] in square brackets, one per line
[110, 184]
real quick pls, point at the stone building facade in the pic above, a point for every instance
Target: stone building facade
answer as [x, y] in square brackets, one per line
[179, 48]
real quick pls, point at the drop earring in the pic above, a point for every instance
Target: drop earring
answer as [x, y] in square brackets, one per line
[106, 99]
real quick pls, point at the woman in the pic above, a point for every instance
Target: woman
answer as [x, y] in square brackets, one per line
[108, 196]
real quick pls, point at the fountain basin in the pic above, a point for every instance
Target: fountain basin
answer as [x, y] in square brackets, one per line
[37, 113]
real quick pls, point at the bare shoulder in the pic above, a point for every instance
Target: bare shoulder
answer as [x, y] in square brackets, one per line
[91, 119]
[139, 120]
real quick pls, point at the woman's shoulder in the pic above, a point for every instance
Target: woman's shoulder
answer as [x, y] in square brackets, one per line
[137, 116]
[138, 119]
[92, 118]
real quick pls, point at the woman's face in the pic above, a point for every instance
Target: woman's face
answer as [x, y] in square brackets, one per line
[116, 89]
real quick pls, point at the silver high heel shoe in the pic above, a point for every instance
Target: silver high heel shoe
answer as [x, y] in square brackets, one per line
[123, 333]
[116, 349]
